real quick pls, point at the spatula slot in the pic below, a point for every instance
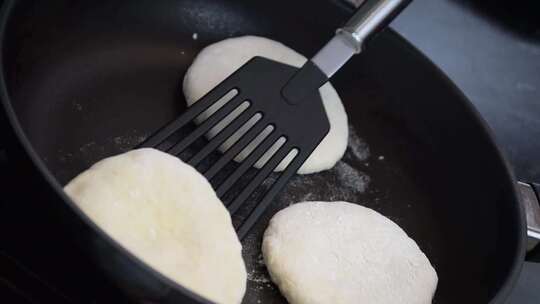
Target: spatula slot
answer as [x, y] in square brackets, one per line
[236, 148]
[237, 128]
[228, 119]
[248, 162]
[157, 140]
[242, 131]
[204, 127]
[217, 105]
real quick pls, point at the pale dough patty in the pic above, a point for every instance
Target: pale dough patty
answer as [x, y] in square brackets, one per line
[217, 61]
[343, 253]
[168, 215]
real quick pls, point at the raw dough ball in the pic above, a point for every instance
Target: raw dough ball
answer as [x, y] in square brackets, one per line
[168, 215]
[338, 252]
[217, 61]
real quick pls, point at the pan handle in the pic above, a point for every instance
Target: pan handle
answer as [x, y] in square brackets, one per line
[530, 198]
[527, 287]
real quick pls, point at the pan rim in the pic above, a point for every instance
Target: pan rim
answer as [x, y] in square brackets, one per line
[517, 263]
[16, 128]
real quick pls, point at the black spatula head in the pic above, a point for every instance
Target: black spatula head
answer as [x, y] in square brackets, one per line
[298, 126]
[286, 98]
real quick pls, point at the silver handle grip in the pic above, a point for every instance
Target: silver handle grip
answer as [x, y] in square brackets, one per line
[370, 18]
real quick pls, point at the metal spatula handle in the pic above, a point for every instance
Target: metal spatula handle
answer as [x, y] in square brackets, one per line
[370, 18]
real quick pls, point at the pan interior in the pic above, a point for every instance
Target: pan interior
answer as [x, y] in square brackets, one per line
[91, 80]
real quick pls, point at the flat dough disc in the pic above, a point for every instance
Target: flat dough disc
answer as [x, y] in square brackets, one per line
[341, 253]
[217, 61]
[168, 215]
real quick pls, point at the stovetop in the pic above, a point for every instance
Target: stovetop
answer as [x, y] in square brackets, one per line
[490, 49]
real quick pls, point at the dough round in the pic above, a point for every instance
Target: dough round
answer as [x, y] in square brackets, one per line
[168, 215]
[338, 252]
[217, 61]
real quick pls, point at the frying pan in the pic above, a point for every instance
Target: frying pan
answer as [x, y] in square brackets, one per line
[83, 80]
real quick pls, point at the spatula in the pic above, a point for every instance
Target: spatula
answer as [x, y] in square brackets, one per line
[285, 99]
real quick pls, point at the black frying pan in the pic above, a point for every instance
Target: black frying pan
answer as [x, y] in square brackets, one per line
[83, 80]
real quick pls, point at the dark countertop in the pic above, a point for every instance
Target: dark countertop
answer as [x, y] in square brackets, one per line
[491, 50]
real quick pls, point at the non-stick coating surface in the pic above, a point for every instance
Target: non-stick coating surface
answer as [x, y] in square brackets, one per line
[92, 79]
